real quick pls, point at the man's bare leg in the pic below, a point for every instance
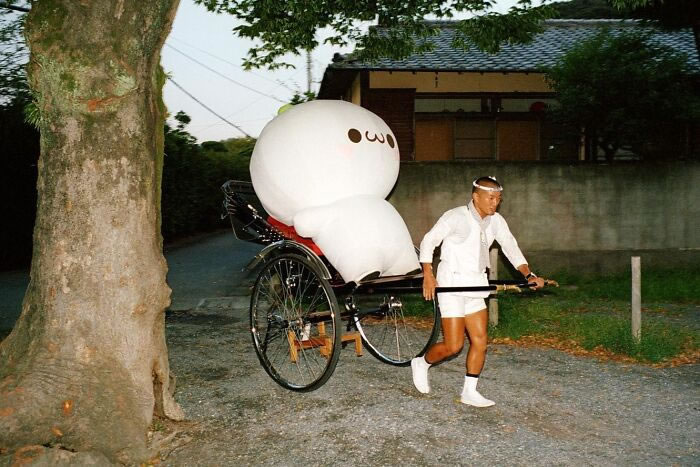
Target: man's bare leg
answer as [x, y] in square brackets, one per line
[453, 340]
[476, 325]
[452, 343]
[477, 329]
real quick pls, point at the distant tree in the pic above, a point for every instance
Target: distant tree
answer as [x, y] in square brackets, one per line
[280, 27]
[589, 9]
[192, 175]
[668, 14]
[13, 58]
[182, 120]
[240, 146]
[19, 146]
[19, 153]
[622, 90]
[214, 146]
[181, 180]
[300, 98]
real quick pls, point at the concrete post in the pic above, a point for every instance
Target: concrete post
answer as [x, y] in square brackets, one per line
[493, 275]
[636, 298]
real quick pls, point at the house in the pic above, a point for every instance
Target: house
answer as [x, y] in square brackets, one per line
[451, 104]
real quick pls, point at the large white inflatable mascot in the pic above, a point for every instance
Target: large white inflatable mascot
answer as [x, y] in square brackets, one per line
[326, 167]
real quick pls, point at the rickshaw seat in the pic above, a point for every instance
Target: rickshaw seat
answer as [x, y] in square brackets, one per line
[289, 232]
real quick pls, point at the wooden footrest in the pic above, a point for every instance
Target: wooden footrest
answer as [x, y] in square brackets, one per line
[322, 342]
[353, 336]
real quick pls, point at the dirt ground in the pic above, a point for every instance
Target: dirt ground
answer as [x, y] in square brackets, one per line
[552, 408]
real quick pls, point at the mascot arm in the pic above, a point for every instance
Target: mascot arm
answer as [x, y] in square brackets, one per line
[311, 222]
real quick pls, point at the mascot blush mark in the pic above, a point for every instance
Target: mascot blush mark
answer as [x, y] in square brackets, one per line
[326, 167]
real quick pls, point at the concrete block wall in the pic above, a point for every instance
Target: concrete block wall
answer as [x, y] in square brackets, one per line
[571, 216]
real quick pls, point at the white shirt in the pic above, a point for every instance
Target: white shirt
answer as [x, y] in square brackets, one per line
[460, 235]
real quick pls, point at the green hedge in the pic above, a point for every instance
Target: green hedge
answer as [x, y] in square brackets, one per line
[19, 153]
[191, 196]
[192, 177]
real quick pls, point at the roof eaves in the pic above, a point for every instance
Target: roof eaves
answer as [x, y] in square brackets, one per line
[448, 70]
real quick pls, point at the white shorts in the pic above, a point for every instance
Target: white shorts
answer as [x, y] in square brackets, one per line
[453, 305]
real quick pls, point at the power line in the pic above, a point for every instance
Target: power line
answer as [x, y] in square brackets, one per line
[224, 76]
[237, 112]
[210, 110]
[278, 83]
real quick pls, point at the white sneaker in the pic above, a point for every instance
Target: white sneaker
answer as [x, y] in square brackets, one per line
[419, 368]
[471, 396]
[476, 399]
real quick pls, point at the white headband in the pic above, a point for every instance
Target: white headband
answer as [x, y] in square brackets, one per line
[498, 187]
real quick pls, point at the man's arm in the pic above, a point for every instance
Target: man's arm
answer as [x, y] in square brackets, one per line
[431, 240]
[512, 251]
[530, 276]
[429, 281]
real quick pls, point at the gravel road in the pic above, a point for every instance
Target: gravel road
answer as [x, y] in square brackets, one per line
[551, 409]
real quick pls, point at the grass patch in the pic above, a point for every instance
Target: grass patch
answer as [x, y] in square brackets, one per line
[658, 285]
[660, 341]
[596, 314]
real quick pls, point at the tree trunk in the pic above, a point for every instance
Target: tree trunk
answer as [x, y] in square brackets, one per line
[86, 365]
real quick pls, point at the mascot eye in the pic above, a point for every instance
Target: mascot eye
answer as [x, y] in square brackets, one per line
[354, 135]
[390, 140]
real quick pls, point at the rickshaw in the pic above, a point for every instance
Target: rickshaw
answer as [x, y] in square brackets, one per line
[302, 312]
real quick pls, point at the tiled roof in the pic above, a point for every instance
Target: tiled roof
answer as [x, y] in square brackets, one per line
[558, 37]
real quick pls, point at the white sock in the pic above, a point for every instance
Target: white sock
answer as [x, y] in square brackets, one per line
[471, 396]
[470, 383]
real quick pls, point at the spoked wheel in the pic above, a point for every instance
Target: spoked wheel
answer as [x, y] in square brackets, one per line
[395, 328]
[295, 323]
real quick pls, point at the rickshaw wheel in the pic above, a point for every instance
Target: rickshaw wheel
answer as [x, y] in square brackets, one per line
[295, 323]
[395, 328]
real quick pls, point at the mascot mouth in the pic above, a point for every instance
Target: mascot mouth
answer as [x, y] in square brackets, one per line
[355, 136]
[376, 137]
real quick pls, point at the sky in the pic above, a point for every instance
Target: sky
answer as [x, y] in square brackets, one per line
[209, 39]
[247, 99]
[204, 57]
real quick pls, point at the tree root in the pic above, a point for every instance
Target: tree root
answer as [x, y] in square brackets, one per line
[53, 456]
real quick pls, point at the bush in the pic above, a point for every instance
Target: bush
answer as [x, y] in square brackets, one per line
[19, 153]
[192, 177]
[191, 195]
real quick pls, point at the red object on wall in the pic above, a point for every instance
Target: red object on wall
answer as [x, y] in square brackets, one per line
[538, 106]
[289, 232]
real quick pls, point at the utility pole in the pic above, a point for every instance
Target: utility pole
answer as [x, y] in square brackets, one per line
[308, 71]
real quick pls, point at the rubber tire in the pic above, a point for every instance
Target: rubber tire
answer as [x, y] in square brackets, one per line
[292, 265]
[380, 351]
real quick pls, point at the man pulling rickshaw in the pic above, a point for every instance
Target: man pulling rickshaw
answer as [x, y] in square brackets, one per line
[466, 233]
[321, 172]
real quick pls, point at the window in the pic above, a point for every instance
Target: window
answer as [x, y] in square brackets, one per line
[525, 105]
[448, 105]
[474, 139]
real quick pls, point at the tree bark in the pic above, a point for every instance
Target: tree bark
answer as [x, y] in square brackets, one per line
[86, 365]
